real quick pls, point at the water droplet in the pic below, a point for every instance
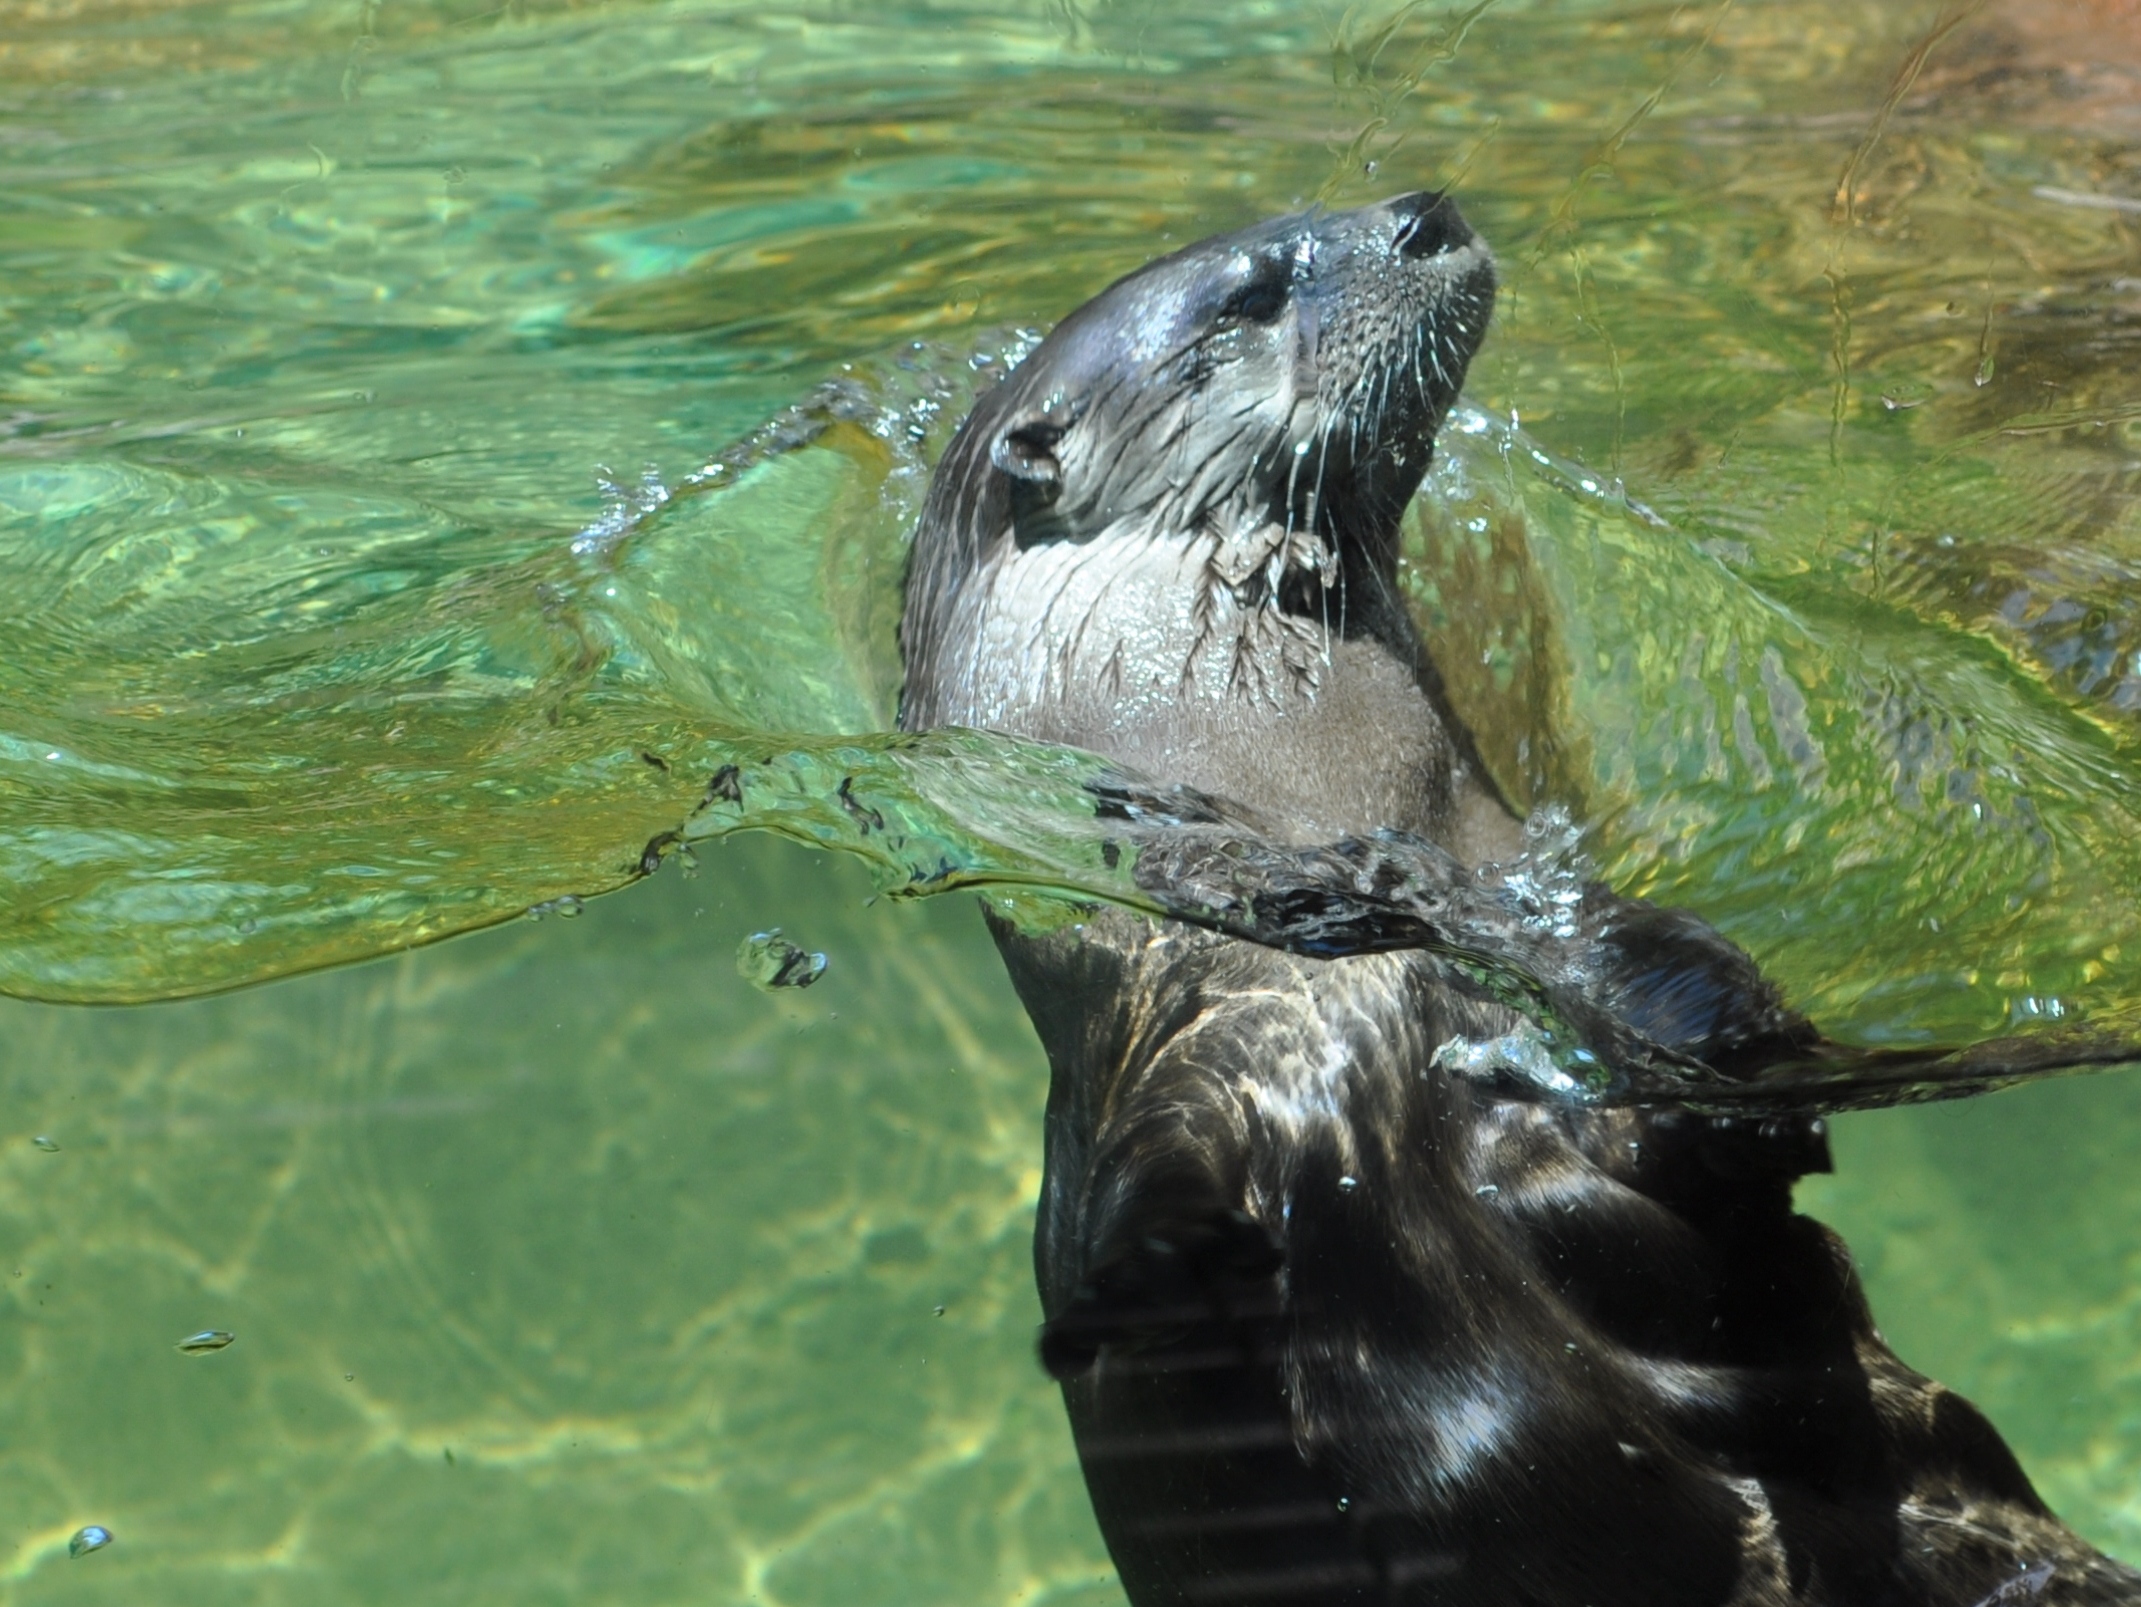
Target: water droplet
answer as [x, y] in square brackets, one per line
[936, 1311]
[1349, 1183]
[206, 1340]
[768, 960]
[1487, 1191]
[47, 1143]
[564, 908]
[1344, 1502]
[1906, 394]
[1571, 1345]
[90, 1537]
[349, 1378]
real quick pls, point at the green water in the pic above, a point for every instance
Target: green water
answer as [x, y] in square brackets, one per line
[324, 638]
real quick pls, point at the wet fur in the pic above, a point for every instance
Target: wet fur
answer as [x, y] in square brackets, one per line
[1333, 1325]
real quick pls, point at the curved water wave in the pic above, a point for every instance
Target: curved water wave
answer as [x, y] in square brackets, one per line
[261, 731]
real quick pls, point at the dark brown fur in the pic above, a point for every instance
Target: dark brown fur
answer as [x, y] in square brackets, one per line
[1335, 1325]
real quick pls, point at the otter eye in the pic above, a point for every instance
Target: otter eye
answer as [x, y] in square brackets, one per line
[1259, 301]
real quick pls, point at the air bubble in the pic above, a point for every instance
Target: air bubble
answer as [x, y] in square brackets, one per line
[90, 1537]
[206, 1341]
[768, 960]
[47, 1143]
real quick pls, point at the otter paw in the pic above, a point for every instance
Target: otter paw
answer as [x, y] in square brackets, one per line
[1181, 1276]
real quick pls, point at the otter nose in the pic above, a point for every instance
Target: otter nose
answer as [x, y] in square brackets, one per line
[1428, 224]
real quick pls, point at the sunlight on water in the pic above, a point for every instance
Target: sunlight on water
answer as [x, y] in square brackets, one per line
[384, 564]
[564, 1265]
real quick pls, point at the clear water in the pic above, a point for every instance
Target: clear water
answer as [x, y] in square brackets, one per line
[367, 518]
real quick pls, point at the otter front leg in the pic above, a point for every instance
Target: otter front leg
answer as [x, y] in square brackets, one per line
[1146, 1241]
[1147, 1232]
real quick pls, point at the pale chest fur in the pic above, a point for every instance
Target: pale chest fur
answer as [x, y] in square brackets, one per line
[1126, 646]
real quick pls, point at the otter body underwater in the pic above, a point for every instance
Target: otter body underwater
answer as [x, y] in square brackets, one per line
[1334, 1325]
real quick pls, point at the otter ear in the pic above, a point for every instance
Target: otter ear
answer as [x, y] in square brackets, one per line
[1026, 447]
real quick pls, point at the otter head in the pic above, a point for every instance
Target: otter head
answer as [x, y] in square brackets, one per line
[1277, 389]
[1291, 375]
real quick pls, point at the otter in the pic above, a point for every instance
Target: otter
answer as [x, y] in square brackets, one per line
[1334, 1324]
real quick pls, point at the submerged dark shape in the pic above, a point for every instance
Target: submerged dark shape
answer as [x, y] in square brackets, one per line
[1351, 1299]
